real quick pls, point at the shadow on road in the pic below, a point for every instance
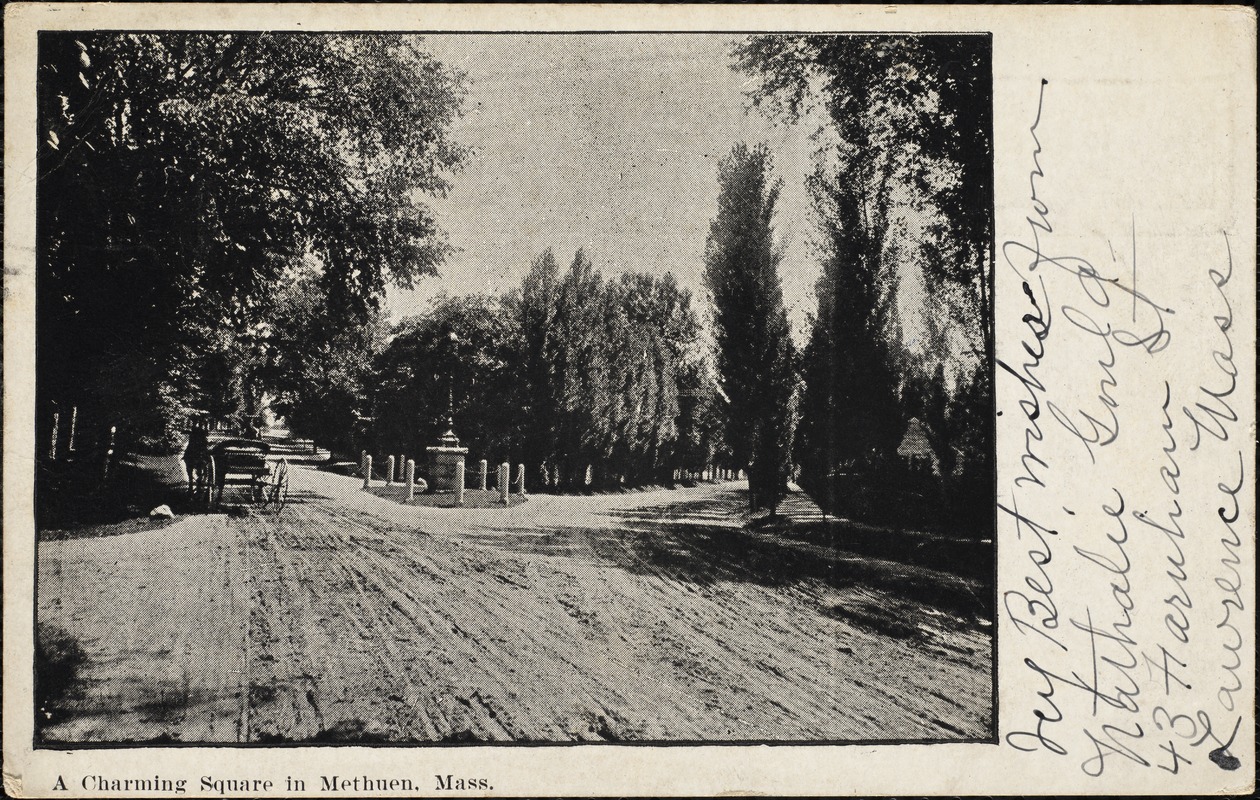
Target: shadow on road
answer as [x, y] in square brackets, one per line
[697, 543]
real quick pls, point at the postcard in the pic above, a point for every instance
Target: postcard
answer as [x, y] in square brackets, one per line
[553, 400]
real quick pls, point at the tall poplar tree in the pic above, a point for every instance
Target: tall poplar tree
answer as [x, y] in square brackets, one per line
[754, 346]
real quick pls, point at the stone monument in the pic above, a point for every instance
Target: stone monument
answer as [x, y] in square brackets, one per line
[443, 458]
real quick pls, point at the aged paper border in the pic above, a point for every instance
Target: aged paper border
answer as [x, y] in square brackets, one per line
[1165, 55]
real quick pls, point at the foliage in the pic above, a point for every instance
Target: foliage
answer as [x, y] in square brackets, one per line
[535, 309]
[318, 364]
[902, 188]
[908, 133]
[571, 371]
[460, 357]
[754, 346]
[181, 175]
[851, 419]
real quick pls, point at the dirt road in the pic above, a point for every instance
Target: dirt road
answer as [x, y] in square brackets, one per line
[643, 616]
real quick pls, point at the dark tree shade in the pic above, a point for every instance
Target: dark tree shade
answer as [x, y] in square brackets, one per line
[850, 415]
[181, 174]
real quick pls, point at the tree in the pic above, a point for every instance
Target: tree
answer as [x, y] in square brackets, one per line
[319, 364]
[535, 310]
[581, 365]
[754, 347]
[603, 365]
[903, 187]
[580, 371]
[180, 176]
[850, 417]
[462, 358]
[910, 119]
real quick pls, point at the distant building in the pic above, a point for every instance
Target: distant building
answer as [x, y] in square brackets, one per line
[915, 448]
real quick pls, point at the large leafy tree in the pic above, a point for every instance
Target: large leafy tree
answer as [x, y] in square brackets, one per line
[459, 358]
[317, 364]
[535, 310]
[582, 367]
[572, 371]
[850, 415]
[605, 365]
[754, 346]
[181, 174]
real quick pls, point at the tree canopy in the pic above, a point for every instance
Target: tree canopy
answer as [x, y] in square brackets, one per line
[573, 370]
[182, 174]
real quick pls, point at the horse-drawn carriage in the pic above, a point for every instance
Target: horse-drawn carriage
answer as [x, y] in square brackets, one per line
[239, 463]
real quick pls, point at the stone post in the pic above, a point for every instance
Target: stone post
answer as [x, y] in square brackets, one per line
[504, 488]
[367, 471]
[459, 482]
[362, 463]
[485, 468]
[520, 472]
[409, 475]
[402, 465]
[109, 452]
[389, 471]
[52, 448]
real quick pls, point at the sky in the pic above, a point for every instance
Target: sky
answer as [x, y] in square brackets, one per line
[610, 143]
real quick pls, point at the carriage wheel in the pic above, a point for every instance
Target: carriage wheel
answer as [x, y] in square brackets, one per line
[278, 491]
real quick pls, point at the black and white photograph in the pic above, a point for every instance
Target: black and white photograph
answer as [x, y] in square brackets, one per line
[506, 388]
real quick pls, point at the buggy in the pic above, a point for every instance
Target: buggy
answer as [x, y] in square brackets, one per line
[242, 463]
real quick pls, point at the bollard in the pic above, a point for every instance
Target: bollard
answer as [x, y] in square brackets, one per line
[402, 465]
[52, 449]
[485, 468]
[367, 472]
[389, 470]
[410, 476]
[504, 488]
[459, 483]
[362, 463]
[520, 472]
[109, 453]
